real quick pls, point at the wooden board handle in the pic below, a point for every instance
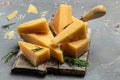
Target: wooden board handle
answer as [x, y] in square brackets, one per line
[94, 13]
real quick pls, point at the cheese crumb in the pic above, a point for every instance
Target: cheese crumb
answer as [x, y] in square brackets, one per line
[43, 14]
[32, 9]
[9, 35]
[12, 15]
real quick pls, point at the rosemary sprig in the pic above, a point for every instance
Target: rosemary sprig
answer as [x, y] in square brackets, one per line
[9, 55]
[36, 49]
[7, 25]
[75, 62]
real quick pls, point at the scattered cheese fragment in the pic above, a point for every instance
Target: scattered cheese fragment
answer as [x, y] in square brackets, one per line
[76, 48]
[34, 53]
[74, 31]
[62, 18]
[32, 9]
[12, 15]
[44, 40]
[34, 26]
[9, 35]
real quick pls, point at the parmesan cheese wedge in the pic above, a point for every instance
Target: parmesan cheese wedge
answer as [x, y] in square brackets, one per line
[44, 40]
[12, 15]
[32, 9]
[62, 18]
[76, 48]
[86, 23]
[34, 53]
[74, 31]
[34, 26]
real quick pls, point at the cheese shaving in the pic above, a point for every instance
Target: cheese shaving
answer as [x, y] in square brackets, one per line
[43, 14]
[21, 17]
[32, 9]
[12, 15]
[9, 35]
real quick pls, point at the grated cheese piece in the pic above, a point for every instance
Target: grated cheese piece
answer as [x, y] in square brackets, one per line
[12, 15]
[32, 9]
[9, 35]
[21, 17]
[43, 14]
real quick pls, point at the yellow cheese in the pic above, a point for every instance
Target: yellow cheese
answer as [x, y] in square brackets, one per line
[74, 31]
[34, 53]
[76, 48]
[12, 15]
[62, 18]
[44, 40]
[32, 9]
[86, 23]
[34, 26]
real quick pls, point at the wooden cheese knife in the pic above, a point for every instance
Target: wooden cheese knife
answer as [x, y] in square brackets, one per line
[95, 12]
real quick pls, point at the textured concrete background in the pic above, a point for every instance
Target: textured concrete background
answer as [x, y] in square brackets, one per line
[104, 57]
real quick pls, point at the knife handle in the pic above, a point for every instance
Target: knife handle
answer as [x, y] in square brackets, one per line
[94, 13]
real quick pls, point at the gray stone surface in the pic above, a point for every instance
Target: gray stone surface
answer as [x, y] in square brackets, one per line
[104, 57]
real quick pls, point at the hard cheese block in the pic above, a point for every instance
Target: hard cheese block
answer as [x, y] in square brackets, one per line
[34, 53]
[74, 31]
[34, 26]
[44, 40]
[76, 48]
[62, 18]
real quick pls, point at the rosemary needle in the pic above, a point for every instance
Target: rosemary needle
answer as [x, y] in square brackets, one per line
[7, 25]
[36, 49]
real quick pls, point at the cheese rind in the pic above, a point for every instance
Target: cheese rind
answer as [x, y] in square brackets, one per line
[76, 48]
[74, 31]
[34, 26]
[62, 18]
[37, 57]
[44, 40]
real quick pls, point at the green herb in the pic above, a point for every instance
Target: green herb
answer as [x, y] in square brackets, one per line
[8, 56]
[7, 25]
[75, 62]
[36, 49]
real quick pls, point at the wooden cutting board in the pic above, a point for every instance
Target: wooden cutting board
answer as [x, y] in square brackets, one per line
[23, 66]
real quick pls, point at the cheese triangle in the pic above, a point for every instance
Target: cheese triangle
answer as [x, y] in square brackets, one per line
[62, 18]
[34, 53]
[74, 31]
[32, 9]
[34, 26]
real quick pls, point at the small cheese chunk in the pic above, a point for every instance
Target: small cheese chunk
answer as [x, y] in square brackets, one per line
[44, 40]
[74, 31]
[34, 26]
[32, 9]
[76, 48]
[12, 15]
[34, 53]
[62, 18]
